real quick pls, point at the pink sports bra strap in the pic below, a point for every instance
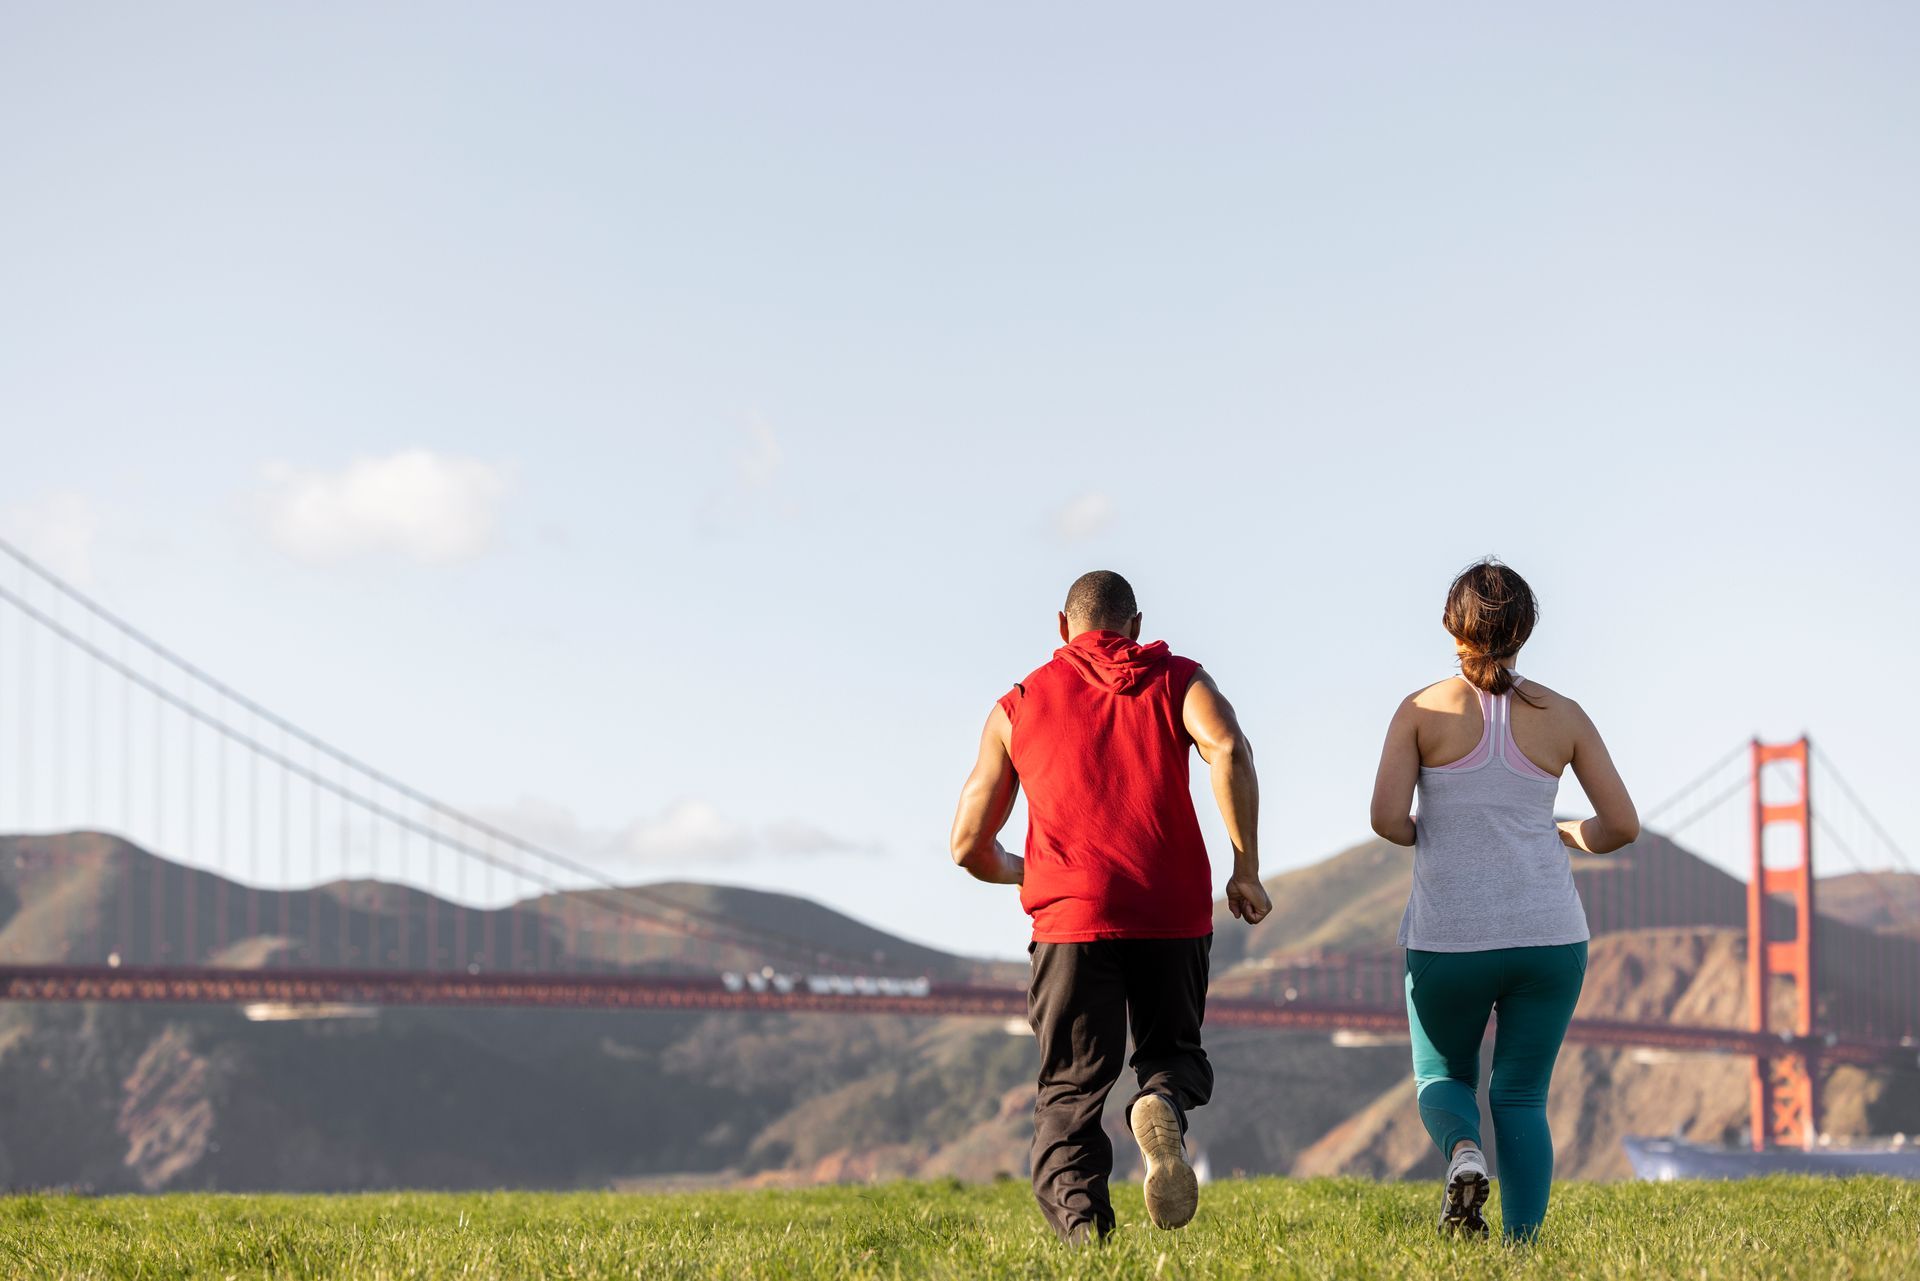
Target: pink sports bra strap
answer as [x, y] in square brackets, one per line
[1496, 736]
[1510, 750]
[1482, 750]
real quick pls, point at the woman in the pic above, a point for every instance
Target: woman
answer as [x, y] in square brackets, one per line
[1494, 924]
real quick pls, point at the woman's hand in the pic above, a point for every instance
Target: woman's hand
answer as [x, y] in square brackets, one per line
[1593, 836]
[1615, 823]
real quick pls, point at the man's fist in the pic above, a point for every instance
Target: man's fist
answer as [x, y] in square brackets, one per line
[1247, 899]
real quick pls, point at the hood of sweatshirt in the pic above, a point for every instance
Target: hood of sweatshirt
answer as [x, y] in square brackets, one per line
[1111, 661]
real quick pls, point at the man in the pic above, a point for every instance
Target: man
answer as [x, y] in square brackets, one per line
[1117, 882]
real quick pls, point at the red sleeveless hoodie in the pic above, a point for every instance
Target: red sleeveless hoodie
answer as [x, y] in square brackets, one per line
[1113, 847]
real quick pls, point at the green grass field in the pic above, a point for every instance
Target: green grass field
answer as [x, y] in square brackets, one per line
[1254, 1228]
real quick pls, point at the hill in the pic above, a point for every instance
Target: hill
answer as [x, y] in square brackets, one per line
[148, 1097]
[1885, 902]
[77, 897]
[117, 1097]
[1349, 902]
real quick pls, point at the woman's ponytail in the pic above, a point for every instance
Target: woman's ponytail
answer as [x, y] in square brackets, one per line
[1487, 671]
[1490, 613]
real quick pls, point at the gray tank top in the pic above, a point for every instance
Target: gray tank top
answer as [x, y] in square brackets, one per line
[1489, 870]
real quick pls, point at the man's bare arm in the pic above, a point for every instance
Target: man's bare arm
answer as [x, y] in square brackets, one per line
[986, 802]
[1215, 730]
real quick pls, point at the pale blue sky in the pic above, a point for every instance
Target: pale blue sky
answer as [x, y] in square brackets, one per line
[687, 418]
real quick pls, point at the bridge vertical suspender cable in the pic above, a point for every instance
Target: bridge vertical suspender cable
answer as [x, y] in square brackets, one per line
[312, 945]
[251, 922]
[190, 813]
[157, 873]
[342, 903]
[126, 808]
[220, 844]
[28, 758]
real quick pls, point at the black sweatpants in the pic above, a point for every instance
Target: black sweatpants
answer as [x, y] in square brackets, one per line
[1082, 1000]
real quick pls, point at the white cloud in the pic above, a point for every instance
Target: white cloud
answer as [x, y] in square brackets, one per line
[1084, 517]
[752, 489]
[545, 824]
[58, 530]
[688, 831]
[429, 508]
[796, 837]
[686, 834]
[758, 462]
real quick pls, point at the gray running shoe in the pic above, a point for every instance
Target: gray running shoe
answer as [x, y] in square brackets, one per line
[1173, 1193]
[1466, 1193]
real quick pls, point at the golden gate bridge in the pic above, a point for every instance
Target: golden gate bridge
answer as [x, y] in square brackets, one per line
[306, 876]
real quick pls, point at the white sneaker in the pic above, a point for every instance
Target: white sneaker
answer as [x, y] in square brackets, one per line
[1467, 1188]
[1173, 1193]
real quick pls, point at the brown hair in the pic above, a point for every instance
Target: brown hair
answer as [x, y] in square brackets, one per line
[1490, 612]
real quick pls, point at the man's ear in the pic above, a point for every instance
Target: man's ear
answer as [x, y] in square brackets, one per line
[1133, 628]
[1064, 637]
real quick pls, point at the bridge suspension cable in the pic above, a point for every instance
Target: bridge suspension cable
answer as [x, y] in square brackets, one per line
[1692, 788]
[599, 888]
[1829, 770]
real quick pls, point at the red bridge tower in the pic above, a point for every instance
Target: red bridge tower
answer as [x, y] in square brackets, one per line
[1786, 1084]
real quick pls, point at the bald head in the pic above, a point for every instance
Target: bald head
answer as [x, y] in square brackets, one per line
[1101, 601]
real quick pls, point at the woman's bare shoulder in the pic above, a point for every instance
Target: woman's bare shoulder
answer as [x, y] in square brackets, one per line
[1449, 695]
[1546, 698]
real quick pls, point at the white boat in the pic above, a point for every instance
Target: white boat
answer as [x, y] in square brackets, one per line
[1663, 1160]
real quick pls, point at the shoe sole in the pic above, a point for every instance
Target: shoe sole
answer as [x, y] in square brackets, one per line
[1173, 1192]
[1460, 1212]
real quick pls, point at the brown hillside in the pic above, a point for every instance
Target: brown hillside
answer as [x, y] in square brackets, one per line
[75, 897]
[131, 1097]
[1350, 901]
[1885, 902]
[147, 1097]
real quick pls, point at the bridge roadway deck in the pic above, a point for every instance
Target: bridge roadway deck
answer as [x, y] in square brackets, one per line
[213, 985]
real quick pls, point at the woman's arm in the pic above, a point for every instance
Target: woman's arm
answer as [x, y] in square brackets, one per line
[1615, 823]
[1398, 774]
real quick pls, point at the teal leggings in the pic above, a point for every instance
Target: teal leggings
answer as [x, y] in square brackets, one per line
[1449, 996]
